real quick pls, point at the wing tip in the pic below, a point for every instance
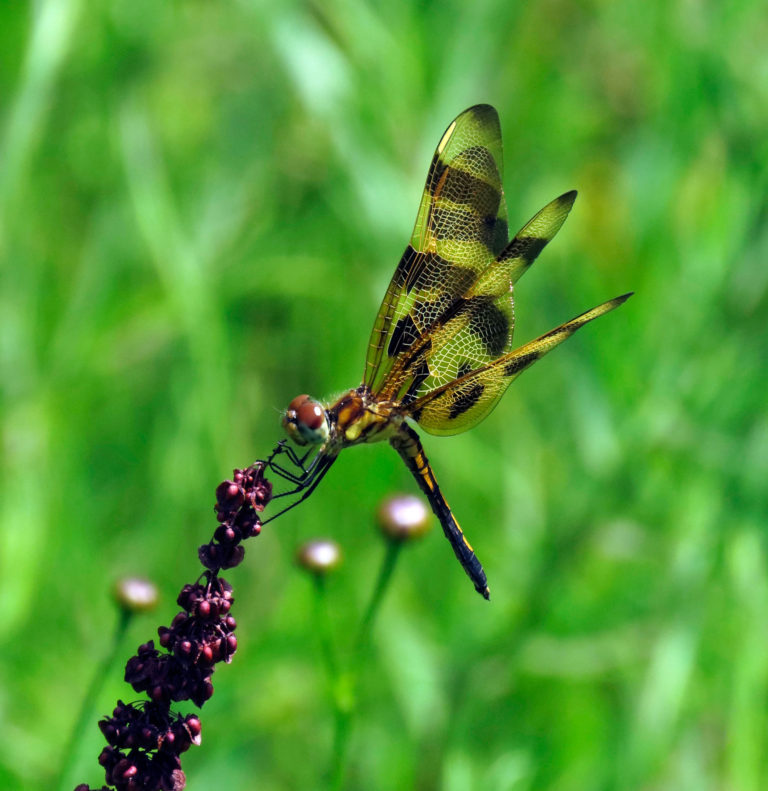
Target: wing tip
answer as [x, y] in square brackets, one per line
[481, 111]
[483, 114]
[480, 107]
[606, 307]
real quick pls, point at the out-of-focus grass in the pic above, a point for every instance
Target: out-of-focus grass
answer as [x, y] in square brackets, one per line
[200, 207]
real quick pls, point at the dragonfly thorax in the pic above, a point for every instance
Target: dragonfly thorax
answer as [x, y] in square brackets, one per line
[356, 417]
[306, 421]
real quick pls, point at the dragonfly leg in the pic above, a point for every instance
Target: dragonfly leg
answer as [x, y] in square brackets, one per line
[303, 477]
[295, 459]
[320, 465]
[287, 474]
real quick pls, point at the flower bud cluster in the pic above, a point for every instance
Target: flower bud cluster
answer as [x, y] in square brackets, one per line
[198, 638]
[145, 741]
[150, 727]
[237, 504]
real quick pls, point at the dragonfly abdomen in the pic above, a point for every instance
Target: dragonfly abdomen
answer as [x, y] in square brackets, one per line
[407, 443]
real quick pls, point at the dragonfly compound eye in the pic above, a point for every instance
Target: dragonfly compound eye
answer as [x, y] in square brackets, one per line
[305, 421]
[298, 401]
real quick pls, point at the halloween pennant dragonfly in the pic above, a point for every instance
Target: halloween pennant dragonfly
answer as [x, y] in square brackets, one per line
[440, 352]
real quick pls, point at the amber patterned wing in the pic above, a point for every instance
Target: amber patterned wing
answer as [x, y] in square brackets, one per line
[478, 328]
[461, 404]
[460, 228]
[449, 309]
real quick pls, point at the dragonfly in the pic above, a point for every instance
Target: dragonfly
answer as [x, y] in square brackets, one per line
[440, 354]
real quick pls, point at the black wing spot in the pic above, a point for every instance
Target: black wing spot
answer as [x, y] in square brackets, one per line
[408, 268]
[404, 335]
[459, 225]
[436, 272]
[465, 400]
[520, 364]
[419, 354]
[420, 374]
[525, 247]
[489, 323]
[436, 169]
[464, 369]
[463, 188]
[500, 235]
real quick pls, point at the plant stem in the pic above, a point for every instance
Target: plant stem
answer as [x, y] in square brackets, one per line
[89, 699]
[347, 693]
[340, 702]
[385, 575]
[326, 640]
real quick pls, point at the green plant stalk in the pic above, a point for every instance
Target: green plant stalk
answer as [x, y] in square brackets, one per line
[382, 583]
[336, 678]
[346, 693]
[89, 699]
[327, 650]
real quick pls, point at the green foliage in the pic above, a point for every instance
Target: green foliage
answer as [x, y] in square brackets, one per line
[201, 204]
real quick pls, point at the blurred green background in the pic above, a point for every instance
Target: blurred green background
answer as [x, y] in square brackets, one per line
[201, 204]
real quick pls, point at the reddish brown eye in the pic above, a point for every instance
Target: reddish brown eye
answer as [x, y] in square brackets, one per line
[310, 413]
[298, 401]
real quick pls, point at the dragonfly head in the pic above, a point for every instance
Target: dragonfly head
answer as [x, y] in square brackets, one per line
[305, 421]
